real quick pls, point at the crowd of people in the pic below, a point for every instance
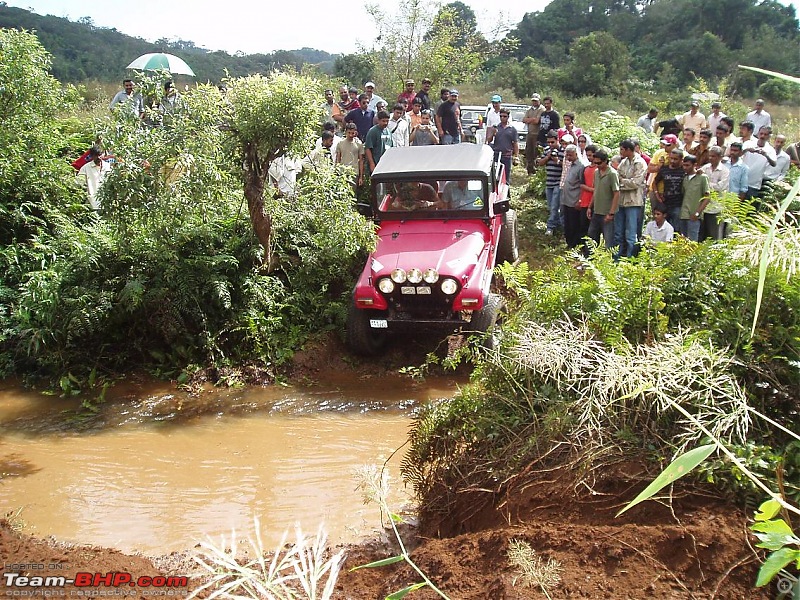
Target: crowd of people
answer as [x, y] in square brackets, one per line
[589, 191]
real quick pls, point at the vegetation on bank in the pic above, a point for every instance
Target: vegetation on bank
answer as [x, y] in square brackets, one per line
[170, 275]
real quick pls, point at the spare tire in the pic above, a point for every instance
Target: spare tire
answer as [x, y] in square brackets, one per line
[508, 244]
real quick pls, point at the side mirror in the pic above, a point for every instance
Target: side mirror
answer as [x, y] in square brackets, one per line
[501, 207]
[364, 209]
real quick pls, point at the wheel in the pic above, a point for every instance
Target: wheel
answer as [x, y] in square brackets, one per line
[360, 337]
[487, 321]
[508, 245]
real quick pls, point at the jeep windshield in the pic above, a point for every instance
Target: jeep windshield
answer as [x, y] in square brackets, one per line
[433, 182]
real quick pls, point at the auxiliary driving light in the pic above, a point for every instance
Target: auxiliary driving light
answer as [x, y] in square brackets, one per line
[399, 276]
[414, 276]
[430, 275]
[386, 286]
[449, 286]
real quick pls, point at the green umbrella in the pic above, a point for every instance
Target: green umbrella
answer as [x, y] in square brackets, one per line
[156, 61]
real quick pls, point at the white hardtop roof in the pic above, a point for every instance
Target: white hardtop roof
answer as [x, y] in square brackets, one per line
[435, 162]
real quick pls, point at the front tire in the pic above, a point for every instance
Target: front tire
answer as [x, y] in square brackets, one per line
[486, 323]
[360, 337]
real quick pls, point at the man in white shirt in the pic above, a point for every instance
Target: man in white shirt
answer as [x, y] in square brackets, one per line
[757, 154]
[92, 175]
[648, 122]
[715, 118]
[398, 126]
[718, 180]
[782, 161]
[759, 116]
[493, 112]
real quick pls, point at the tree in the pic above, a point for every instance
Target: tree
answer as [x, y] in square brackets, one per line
[271, 116]
[598, 65]
[356, 69]
[31, 102]
[408, 46]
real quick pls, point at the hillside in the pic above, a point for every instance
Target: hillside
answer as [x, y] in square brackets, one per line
[83, 51]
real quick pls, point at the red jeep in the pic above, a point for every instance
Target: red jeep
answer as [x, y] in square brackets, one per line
[443, 221]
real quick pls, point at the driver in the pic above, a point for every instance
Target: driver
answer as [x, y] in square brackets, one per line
[413, 195]
[457, 195]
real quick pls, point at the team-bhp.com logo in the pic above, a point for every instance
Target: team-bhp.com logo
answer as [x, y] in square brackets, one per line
[93, 584]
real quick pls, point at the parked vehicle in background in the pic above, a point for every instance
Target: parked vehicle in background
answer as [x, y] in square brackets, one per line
[517, 112]
[472, 123]
[444, 222]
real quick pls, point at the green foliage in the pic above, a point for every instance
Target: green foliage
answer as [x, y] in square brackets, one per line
[778, 91]
[169, 273]
[415, 42]
[612, 128]
[598, 64]
[679, 467]
[776, 535]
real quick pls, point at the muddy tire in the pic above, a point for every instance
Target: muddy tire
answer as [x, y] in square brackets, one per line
[508, 245]
[486, 323]
[360, 337]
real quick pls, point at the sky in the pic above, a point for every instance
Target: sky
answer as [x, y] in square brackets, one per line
[255, 27]
[251, 26]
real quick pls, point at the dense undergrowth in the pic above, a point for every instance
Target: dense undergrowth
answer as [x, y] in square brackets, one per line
[168, 276]
[597, 353]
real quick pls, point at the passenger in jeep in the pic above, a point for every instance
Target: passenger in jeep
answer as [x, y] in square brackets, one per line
[458, 195]
[416, 195]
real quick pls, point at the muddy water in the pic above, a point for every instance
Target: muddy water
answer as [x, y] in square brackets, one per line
[156, 471]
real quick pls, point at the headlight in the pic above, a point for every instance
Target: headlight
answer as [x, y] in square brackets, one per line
[399, 276]
[449, 286]
[415, 276]
[430, 276]
[386, 286]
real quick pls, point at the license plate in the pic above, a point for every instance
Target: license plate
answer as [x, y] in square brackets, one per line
[424, 290]
[378, 323]
[408, 290]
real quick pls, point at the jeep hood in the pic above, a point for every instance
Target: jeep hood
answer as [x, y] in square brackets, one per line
[452, 247]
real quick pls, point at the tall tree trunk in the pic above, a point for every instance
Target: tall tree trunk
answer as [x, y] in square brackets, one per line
[255, 175]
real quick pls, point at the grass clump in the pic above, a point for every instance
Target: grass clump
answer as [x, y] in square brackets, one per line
[304, 569]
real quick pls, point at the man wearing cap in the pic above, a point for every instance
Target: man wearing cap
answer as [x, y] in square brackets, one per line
[759, 117]
[668, 187]
[660, 159]
[409, 94]
[716, 115]
[492, 117]
[531, 119]
[369, 90]
[448, 120]
[693, 118]
[424, 94]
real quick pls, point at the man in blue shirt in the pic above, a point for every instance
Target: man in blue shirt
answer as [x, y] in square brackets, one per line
[361, 116]
[737, 180]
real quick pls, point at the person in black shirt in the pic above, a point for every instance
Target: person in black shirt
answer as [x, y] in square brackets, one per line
[671, 194]
[548, 120]
[423, 94]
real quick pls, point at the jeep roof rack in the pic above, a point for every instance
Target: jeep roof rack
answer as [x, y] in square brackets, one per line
[435, 162]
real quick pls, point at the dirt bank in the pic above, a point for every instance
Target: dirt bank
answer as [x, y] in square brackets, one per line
[697, 548]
